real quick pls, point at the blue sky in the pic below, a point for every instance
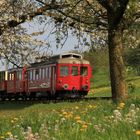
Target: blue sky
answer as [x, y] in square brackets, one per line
[68, 46]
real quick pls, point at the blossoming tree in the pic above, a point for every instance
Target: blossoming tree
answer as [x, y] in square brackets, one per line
[106, 21]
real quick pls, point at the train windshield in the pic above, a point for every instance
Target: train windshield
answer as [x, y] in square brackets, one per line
[83, 71]
[63, 71]
[74, 70]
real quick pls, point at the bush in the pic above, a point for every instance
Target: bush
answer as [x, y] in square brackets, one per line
[132, 58]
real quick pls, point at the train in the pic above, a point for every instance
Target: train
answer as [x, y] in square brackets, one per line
[65, 75]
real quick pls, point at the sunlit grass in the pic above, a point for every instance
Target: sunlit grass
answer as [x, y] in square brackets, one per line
[68, 121]
[84, 120]
[100, 84]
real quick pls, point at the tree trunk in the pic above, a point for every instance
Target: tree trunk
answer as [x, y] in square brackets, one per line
[117, 71]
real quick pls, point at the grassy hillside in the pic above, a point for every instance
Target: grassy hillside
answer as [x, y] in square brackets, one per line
[99, 120]
[85, 120]
[100, 84]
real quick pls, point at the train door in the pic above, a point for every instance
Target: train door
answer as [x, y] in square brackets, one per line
[11, 83]
[84, 77]
[53, 79]
[75, 79]
[19, 86]
[3, 80]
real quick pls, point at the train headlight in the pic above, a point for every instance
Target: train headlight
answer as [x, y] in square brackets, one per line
[65, 86]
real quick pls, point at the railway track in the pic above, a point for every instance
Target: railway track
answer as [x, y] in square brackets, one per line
[47, 101]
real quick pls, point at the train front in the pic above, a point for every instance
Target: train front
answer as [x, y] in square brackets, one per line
[73, 76]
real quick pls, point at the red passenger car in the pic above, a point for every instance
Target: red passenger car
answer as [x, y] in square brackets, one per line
[65, 75]
[16, 82]
[3, 83]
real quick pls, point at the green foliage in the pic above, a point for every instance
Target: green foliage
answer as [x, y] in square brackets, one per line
[131, 87]
[101, 79]
[98, 58]
[100, 82]
[132, 58]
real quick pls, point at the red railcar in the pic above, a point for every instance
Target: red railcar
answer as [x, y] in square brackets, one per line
[64, 75]
[3, 82]
[16, 82]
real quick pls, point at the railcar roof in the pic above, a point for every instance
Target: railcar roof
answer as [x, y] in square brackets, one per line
[57, 58]
[73, 61]
[12, 69]
[67, 55]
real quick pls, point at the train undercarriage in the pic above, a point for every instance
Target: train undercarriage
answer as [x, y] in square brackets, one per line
[42, 95]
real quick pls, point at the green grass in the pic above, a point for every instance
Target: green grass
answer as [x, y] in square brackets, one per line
[100, 79]
[100, 84]
[85, 120]
[68, 121]
[133, 85]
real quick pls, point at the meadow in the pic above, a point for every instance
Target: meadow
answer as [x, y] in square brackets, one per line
[83, 120]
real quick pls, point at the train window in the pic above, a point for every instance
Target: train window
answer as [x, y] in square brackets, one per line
[30, 75]
[19, 75]
[11, 76]
[74, 70]
[2, 76]
[63, 71]
[40, 73]
[46, 72]
[49, 72]
[37, 74]
[43, 73]
[77, 56]
[33, 78]
[83, 71]
[66, 56]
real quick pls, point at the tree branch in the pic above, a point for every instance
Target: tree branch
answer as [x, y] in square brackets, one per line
[118, 13]
[105, 4]
[39, 1]
[23, 18]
